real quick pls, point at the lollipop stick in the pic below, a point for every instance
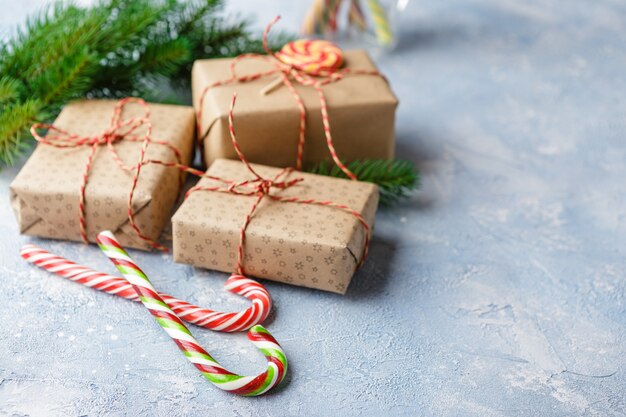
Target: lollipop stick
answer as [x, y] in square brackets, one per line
[271, 86]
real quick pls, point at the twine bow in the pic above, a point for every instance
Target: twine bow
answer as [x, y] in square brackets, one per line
[118, 130]
[287, 72]
[262, 188]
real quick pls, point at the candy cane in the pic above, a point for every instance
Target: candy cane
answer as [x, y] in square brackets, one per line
[204, 317]
[174, 327]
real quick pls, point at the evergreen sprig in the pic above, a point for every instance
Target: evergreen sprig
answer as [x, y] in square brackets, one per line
[396, 179]
[119, 48]
[114, 48]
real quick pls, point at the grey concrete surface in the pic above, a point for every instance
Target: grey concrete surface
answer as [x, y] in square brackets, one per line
[498, 290]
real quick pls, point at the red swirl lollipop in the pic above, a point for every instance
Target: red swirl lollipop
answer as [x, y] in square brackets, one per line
[314, 57]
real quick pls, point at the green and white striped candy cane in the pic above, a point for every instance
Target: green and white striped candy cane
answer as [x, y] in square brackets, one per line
[174, 327]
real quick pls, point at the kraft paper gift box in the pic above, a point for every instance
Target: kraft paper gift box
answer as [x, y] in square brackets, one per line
[307, 245]
[45, 193]
[361, 112]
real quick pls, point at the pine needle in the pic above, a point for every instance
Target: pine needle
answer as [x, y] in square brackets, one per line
[9, 89]
[15, 119]
[396, 179]
[165, 58]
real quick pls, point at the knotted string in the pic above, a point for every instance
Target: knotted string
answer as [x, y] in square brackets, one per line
[261, 188]
[287, 72]
[118, 130]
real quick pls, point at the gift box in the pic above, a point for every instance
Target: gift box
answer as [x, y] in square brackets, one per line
[310, 245]
[361, 110]
[45, 195]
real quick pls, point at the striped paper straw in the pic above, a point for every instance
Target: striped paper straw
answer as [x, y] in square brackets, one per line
[382, 28]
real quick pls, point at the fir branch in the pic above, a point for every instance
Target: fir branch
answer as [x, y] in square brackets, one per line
[66, 80]
[113, 48]
[34, 40]
[165, 58]
[71, 42]
[15, 119]
[129, 28]
[193, 14]
[396, 179]
[9, 89]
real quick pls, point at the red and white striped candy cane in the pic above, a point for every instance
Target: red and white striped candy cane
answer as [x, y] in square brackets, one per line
[168, 320]
[203, 317]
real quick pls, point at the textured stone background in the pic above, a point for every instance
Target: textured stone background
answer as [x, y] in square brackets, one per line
[498, 290]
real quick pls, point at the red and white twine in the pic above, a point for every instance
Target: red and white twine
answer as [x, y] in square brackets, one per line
[287, 72]
[260, 187]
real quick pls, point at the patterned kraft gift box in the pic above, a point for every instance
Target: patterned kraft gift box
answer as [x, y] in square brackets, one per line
[361, 112]
[301, 244]
[45, 194]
